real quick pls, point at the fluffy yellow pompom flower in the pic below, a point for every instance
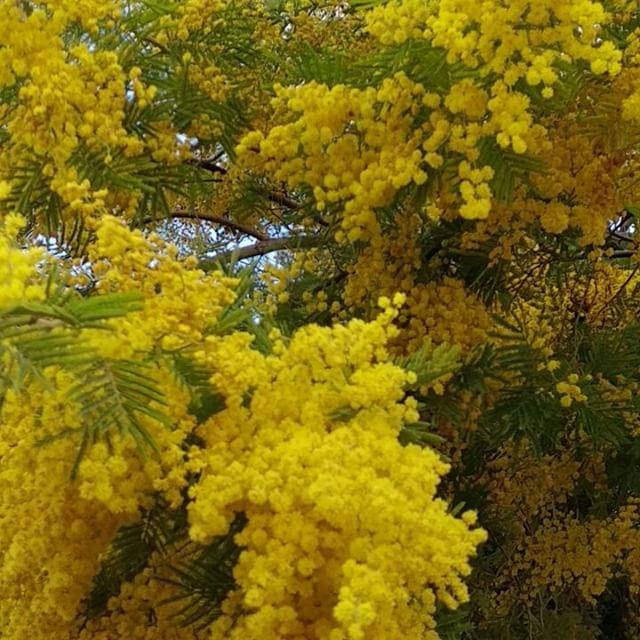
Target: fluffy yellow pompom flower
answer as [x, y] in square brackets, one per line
[180, 301]
[19, 280]
[351, 146]
[53, 530]
[345, 538]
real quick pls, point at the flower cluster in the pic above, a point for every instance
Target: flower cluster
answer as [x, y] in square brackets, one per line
[569, 391]
[137, 612]
[349, 145]
[19, 281]
[360, 147]
[514, 39]
[54, 529]
[507, 41]
[51, 537]
[345, 538]
[67, 96]
[566, 551]
[441, 310]
[180, 302]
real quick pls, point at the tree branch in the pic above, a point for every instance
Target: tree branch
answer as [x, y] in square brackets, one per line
[283, 200]
[290, 243]
[618, 255]
[209, 164]
[619, 236]
[222, 221]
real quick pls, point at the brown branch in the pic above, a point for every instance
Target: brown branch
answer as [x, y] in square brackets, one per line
[284, 200]
[222, 221]
[289, 243]
[617, 255]
[208, 164]
[281, 199]
[156, 44]
[619, 236]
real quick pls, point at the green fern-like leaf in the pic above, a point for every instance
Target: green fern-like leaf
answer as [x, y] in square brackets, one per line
[113, 396]
[205, 400]
[204, 580]
[36, 335]
[430, 363]
[129, 553]
[509, 167]
[420, 433]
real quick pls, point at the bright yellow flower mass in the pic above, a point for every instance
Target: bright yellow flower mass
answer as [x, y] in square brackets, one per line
[319, 320]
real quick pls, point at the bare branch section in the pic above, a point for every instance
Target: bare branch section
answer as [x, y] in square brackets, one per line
[222, 221]
[210, 164]
[289, 243]
[283, 200]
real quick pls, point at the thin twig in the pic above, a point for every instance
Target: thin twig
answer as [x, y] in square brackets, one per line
[283, 200]
[623, 286]
[209, 164]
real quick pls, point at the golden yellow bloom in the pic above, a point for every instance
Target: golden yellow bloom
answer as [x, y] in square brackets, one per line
[337, 543]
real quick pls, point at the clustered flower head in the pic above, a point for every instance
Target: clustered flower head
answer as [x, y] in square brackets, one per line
[355, 149]
[556, 551]
[67, 97]
[70, 99]
[570, 391]
[180, 301]
[567, 551]
[439, 311]
[54, 530]
[349, 145]
[19, 281]
[345, 537]
[515, 39]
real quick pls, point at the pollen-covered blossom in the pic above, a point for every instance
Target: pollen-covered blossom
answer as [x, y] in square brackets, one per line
[50, 537]
[440, 311]
[516, 39]
[356, 148]
[180, 301]
[506, 42]
[631, 76]
[53, 529]
[67, 96]
[143, 609]
[345, 537]
[570, 391]
[349, 145]
[553, 548]
[19, 281]
[582, 554]
[467, 173]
